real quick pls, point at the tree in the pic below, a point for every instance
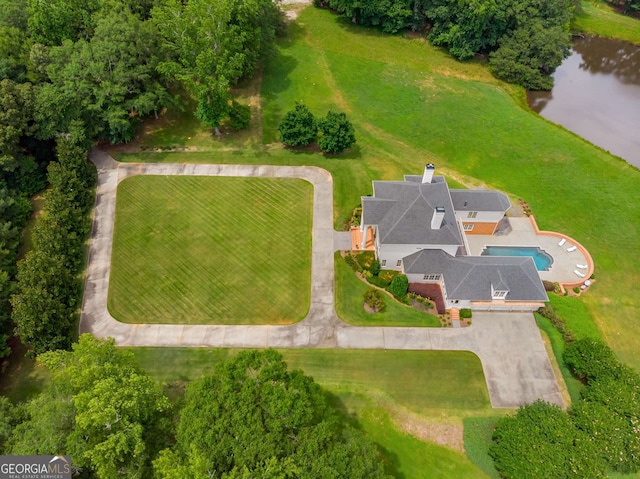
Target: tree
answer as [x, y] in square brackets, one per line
[239, 115]
[298, 127]
[254, 396]
[99, 407]
[529, 55]
[336, 133]
[108, 82]
[541, 441]
[211, 45]
[591, 359]
[399, 286]
[53, 21]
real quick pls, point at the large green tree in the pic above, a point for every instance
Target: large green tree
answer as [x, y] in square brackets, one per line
[336, 133]
[542, 441]
[211, 45]
[100, 408]
[298, 127]
[109, 81]
[253, 416]
[529, 55]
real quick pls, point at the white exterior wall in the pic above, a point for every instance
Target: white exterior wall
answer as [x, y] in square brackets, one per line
[503, 306]
[481, 217]
[393, 253]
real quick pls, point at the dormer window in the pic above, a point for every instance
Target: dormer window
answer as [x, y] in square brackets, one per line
[431, 277]
[472, 214]
[499, 293]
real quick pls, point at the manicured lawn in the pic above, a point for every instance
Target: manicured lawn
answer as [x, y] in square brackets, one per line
[424, 382]
[596, 17]
[410, 104]
[370, 387]
[201, 250]
[349, 299]
[408, 457]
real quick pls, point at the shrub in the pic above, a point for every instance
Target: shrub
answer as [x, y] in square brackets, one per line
[465, 313]
[365, 259]
[387, 276]
[550, 286]
[576, 290]
[337, 133]
[374, 299]
[298, 127]
[378, 281]
[239, 116]
[399, 286]
[548, 312]
[375, 267]
[353, 264]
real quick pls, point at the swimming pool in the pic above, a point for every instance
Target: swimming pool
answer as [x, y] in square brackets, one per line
[542, 259]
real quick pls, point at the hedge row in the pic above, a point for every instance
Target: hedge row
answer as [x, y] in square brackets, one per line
[45, 309]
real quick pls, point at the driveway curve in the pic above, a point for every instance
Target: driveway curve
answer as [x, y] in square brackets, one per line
[509, 345]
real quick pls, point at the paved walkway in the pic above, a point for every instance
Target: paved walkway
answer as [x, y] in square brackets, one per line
[516, 366]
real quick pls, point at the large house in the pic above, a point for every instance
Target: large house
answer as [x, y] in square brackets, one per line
[419, 227]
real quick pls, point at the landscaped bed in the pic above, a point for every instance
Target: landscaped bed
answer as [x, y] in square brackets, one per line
[203, 250]
[350, 297]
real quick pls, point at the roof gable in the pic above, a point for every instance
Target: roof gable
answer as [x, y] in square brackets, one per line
[471, 277]
[404, 215]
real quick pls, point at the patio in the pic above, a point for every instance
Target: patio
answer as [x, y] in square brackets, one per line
[524, 232]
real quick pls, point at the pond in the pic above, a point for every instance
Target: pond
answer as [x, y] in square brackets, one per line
[596, 94]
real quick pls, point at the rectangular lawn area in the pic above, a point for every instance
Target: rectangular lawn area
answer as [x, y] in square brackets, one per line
[210, 250]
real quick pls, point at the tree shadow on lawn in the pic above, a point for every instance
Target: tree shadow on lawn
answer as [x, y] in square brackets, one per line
[389, 459]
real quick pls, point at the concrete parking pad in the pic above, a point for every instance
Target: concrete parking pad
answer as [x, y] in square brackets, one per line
[509, 345]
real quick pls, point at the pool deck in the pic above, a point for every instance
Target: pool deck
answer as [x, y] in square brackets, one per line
[525, 232]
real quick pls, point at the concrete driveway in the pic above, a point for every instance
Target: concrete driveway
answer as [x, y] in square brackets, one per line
[509, 345]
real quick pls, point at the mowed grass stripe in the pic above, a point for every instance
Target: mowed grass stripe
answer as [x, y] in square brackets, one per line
[202, 250]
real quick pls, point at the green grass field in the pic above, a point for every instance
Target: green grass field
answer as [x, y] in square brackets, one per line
[376, 390]
[410, 104]
[200, 250]
[349, 299]
[596, 17]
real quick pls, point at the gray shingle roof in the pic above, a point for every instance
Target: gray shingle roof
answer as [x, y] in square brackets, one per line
[403, 211]
[479, 200]
[471, 277]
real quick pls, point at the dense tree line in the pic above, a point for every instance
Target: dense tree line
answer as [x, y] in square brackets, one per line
[599, 434]
[21, 175]
[91, 70]
[48, 288]
[525, 40]
[251, 418]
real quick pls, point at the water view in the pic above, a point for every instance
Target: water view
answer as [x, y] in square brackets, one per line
[596, 95]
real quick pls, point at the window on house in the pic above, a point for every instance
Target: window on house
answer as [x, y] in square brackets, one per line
[431, 277]
[399, 262]
[499, 294]
[472, 214]
[468, 226]
[384, 262]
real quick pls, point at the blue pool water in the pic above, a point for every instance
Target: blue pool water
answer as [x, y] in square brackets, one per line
[542, 259]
